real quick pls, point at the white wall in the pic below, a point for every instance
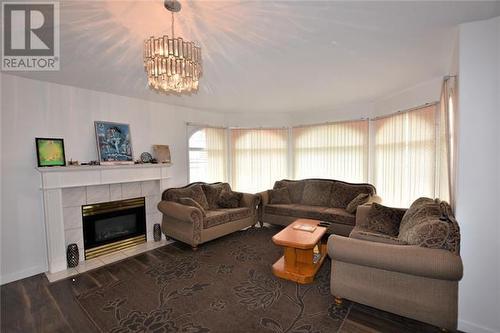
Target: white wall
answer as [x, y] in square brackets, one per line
[478, 194]
[39, 109]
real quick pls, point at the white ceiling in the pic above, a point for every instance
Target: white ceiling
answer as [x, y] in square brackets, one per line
[262, 56]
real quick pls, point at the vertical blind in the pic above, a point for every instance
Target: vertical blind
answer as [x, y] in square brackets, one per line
[336, 150]
[412, 152]
[259, 158]
[405, 156]
[208, 155]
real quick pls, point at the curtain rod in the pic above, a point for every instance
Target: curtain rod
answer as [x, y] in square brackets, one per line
[203, 125]
[331, 122]
[406, 110]
[323, 123]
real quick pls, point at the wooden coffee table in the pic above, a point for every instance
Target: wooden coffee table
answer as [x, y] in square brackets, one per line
[297, 263]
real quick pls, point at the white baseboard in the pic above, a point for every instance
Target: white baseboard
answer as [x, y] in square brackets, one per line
[6, 278]
[467, 326]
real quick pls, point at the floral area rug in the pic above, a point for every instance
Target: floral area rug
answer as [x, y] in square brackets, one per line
[225, 286]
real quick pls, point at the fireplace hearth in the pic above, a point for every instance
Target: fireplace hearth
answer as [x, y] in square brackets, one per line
[113, 226]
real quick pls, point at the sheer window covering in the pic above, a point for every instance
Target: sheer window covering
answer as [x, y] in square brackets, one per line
[405, 156]
[258, 158]
[335, 150]
[208, 155]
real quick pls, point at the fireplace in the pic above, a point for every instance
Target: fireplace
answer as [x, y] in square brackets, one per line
[113, 226]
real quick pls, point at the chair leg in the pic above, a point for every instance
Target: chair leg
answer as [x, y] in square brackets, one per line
[261, 224]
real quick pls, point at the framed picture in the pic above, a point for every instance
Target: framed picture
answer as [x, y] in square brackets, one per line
[114, 143]
[162, 153]
[50, 152]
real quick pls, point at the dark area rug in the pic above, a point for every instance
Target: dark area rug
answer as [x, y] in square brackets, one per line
[225, 286]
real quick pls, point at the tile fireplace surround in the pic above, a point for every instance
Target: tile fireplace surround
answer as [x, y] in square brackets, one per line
[66, 189]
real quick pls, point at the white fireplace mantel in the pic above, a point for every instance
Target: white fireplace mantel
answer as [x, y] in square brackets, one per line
[55, 179]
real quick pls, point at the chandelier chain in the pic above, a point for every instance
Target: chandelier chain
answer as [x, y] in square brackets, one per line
[172, 24]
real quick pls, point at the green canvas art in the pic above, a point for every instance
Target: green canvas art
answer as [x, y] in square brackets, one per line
[50, 152]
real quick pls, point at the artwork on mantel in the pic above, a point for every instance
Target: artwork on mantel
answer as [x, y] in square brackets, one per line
[50, 152]
[114, 143]
[162, 153]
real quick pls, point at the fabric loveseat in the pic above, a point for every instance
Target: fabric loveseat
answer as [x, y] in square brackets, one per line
[200, 212]
[401, 261]
[319, 199]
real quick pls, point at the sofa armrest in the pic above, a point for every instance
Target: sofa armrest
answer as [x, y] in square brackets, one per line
[250, 200]
[179, 211]
[375, 198]
[361, 214]
[407, 259]
[264, 197]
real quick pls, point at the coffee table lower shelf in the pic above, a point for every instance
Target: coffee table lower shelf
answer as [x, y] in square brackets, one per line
[291, 267]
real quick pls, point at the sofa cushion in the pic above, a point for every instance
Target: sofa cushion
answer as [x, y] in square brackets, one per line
[336, 215]
[316, 192]
[360, 199]
[212, 192]
[362, 234]
[343, 193]
[238, 213]
[216, 217]
[385, 220]
[295, 188]
[191, 202]
[229, 199]
[279, 196]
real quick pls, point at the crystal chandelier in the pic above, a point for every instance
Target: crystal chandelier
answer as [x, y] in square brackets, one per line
[173, 65]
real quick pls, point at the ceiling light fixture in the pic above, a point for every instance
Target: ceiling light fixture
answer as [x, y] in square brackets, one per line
[173, 65]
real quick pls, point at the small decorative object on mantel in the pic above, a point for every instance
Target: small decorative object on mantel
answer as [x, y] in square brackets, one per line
[157, 232]
[50, 152]
[146, 157]
[114, 143]
[72, 255]
[162, 153]
[73, 163]
[91, 163]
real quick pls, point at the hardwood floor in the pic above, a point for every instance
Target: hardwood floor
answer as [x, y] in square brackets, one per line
[35, 305]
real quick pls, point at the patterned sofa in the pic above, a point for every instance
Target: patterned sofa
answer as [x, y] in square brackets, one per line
[199, 212]
[319, 199]
[402, 261]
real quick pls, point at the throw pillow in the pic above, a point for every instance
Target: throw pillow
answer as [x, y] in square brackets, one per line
[316, 193]
[199, 196]
[344, 193]
[279, 196]
[191, 202]
[360, 199]
[229, 199]
[419, 211]
[212, 193]
[384, 219]
[432, 225]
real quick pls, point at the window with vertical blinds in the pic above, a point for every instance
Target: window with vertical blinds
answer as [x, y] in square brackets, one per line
[258, 158]
[336, 150]
[208, 156]
[405, 156]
